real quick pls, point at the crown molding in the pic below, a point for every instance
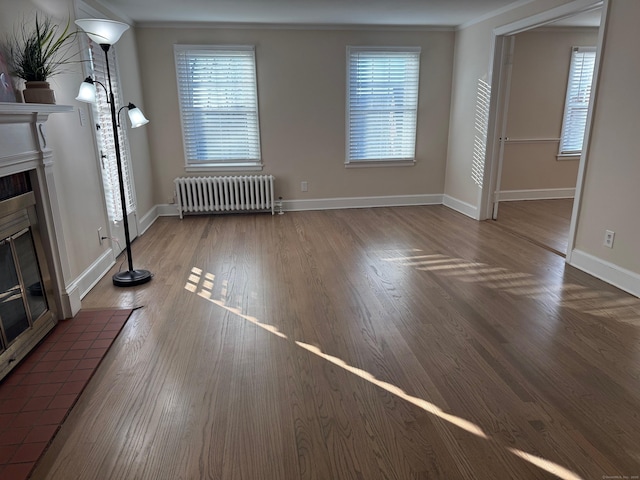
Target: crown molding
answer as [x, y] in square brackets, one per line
[292, 26]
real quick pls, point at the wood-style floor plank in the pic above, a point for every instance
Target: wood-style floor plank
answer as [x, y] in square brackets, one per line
[388, 343]
[545, 222]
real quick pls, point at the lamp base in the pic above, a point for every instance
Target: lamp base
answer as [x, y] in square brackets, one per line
[131, 278]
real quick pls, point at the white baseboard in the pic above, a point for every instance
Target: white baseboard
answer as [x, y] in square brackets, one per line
[147, 220]
[609, 272]
[460, 206]
[92, 275]
[536, 194]
[361, 202]
[167, 210]
[71, 303]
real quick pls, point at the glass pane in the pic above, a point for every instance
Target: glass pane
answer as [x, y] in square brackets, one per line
[12, 312]
[28, 264]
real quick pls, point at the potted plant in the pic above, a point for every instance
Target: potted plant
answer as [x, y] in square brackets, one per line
[37, 52]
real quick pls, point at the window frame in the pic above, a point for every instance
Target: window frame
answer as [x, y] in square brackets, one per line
[101, 111]
[379, 162]
[193, 165]
[571, 154]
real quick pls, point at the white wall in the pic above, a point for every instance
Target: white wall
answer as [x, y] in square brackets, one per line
[301, 93]
[611, 196]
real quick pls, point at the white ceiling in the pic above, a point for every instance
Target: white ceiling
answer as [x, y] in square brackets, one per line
[311, 12]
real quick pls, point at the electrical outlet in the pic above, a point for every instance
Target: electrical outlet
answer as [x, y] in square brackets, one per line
[100, 235]
[608, 238]
[304, 186]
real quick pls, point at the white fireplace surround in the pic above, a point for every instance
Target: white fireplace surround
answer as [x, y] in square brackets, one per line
[24, 147]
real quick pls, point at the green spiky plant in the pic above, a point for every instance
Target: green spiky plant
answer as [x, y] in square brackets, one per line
[36, 53]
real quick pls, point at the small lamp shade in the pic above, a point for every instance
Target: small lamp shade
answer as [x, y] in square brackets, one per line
[87, 92]
[136, 117]
[102, 31]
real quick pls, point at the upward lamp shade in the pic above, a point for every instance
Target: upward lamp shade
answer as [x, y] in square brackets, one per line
[102, 31]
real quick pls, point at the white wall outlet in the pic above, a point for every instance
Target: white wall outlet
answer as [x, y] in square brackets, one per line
[304, 186]
[608, 238]
[100, 235]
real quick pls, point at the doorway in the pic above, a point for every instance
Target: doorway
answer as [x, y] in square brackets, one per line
[532, 183]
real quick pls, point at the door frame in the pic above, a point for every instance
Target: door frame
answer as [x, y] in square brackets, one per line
[499, 89]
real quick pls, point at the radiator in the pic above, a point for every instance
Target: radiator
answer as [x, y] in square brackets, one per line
[224, 194]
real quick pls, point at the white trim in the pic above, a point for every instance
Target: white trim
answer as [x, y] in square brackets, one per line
[495, 13]
[31, 108]
[167, 210]
[558, 13]
[566, 29]
[171, 210]
[361, 202]
[575, 214]
[293, 26]
[222, 167]
[460, 206]
[379, 163]
[147, 220]
[567, 158]
[92, 275]
[536, 194]
[609, 272]
[531, 140]
[71, 298]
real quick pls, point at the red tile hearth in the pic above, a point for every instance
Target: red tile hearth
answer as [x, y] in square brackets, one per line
[38, 394]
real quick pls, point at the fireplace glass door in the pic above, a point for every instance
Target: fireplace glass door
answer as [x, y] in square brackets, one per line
[22, 298]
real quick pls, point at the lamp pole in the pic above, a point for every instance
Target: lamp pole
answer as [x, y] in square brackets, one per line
[131, 277]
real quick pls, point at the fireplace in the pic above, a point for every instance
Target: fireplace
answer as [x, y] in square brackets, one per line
[25, 284]
[35, 290]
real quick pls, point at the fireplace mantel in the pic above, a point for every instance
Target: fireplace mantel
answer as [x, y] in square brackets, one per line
[17, 108]
[24, 148]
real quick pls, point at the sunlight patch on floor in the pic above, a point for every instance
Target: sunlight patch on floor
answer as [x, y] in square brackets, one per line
[551, 467]
[206, 292]
[610, 305]
[427, 406]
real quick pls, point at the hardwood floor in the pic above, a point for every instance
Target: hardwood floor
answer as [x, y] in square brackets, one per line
[388, 343]
[545, 222]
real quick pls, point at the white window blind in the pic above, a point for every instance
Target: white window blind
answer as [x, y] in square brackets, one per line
[382, 103]
[583, 61]
[218, 105]
[104, 134]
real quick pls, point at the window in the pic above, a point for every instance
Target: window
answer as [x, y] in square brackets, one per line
[104, 134]
[382, 104]
[218, 106]
[583, 60]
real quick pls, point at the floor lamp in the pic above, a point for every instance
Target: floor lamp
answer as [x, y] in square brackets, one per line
[105, 33]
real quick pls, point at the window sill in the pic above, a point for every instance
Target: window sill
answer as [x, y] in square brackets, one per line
[226, 167]
[379, 163]
[564, 157]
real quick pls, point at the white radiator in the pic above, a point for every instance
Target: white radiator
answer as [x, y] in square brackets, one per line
[224, 194]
